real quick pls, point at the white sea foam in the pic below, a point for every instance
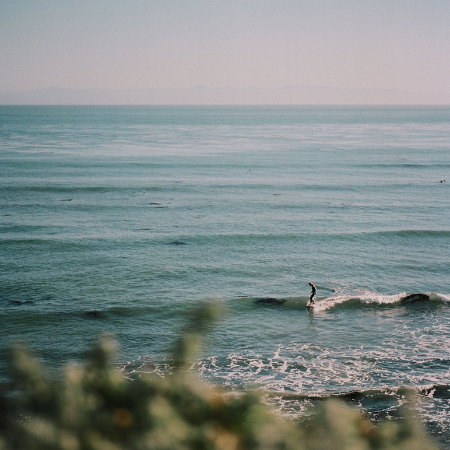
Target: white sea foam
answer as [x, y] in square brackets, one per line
[444, 297]
[366, 297]
[375, 297]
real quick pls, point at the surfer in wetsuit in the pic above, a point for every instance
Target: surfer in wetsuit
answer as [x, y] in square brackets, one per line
[313, 293]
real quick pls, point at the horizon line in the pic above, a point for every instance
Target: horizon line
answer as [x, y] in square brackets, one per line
[200, 86]
[203, 95]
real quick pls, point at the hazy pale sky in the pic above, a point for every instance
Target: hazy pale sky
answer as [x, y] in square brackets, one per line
[128, 44]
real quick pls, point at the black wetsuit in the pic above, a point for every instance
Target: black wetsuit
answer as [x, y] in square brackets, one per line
[313, 293]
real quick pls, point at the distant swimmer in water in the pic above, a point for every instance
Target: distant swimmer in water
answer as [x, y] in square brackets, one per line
[313, 293]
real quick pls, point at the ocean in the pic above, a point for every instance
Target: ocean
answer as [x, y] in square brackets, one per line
[120, 219]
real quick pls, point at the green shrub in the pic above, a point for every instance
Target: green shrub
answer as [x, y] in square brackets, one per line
[94, 407]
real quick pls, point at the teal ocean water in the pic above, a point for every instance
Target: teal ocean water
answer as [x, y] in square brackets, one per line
[121, 219]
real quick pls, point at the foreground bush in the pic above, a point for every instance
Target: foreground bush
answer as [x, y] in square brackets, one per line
[94, 407]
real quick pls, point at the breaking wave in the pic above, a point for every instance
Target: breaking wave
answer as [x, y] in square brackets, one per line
[369, 299]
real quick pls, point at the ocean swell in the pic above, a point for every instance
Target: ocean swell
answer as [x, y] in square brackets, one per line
[369, 299]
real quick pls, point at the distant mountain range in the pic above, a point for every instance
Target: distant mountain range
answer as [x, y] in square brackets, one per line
[288, 95]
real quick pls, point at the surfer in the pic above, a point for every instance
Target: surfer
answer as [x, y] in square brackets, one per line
[313, 293]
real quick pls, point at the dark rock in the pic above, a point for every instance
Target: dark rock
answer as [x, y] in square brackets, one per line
[269, 301]
[178, 243]
[25, 302]
[414, 298]
[94, 314]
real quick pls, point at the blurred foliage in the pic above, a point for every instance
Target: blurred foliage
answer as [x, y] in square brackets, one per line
[94, 407]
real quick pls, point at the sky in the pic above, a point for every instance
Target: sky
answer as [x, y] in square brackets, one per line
[179, 44]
